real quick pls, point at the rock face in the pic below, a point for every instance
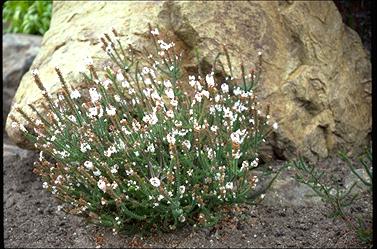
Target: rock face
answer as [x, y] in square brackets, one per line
[316, 74]
[19, 52]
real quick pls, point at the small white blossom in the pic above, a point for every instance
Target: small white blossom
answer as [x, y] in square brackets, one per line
[170, 114]
[182, 218]
[125, 84]
[75, 94]
[111, 110]
[129, 172]
[88, 165]
[151, 148]
[93, 111]
[155, 32]
[170, 138]
[94, 95]
[275, 126]
[97, 172]
[114, 169]
[155, 182]
[170, 93]
[167, 84]
[182, 189]
[160, 197]
[101, 185]
[72, 118]
[225, 87]
[205, 93]
[238, 136]
[210, 80]
[229, 185]
[187, 144]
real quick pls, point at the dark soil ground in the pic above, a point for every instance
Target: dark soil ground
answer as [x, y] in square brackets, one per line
[32, 219]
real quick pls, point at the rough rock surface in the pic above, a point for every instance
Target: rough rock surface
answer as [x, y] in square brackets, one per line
[316, 74]
[19, 52]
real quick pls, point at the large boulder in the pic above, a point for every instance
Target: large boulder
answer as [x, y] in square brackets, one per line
[316, 74]
[19, 51]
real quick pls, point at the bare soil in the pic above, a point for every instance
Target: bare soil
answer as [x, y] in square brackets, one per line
[32, 219]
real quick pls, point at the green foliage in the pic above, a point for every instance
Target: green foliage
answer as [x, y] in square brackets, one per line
[30, 17]
[340, 198]
[146, 145]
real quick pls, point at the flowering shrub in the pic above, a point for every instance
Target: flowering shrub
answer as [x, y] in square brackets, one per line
[144, 144]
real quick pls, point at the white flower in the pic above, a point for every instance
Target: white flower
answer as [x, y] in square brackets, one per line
[170, 114]
[101, 185]
[114, 169]
[88, 165]
[170, 93]
[259, 53]
[111, 110]
[131, 91]
[178, 123]
[214, 128]
[237, 91]
[155, 32]
[170, 138]
[41, 157]
[189, 172]
[187, 144]
[155, 182]
[94, 95]
[151, 119]
[275, 126]
[106, 83]
[182, 218]
[125, 84]
[151, 148]
[129, 172]
[198, 97]
[237, 155]
[117, 98]
[174, 102]
[38, 122]
[160, 197]
[93, 111]
[244, 166]
[211, 153]
[167, 84]
[145, 70]
[182, 189]
[72, 118]
[210, 80]
[111, 150]
[97, 172]
[14, 125]
[114, 185]
[119, 76]
[205, 93]
[229, 185]
[45, 185]
[255, 162]
[225, 88]
[75, 94]
[238, 136]
[22, 128]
